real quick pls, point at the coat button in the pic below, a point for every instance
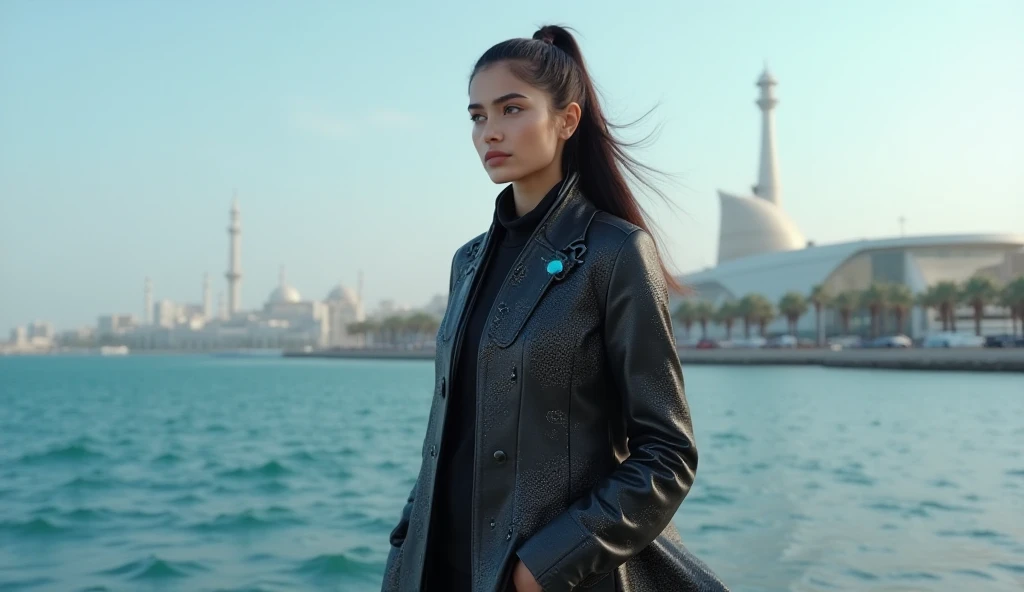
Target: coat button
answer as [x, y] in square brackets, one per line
[443, 387]
[433, 451]
[500, 456]
[492, 522]
[514, 374]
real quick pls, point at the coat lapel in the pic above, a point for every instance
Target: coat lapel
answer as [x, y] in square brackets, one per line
[556, 248]
[467, 271]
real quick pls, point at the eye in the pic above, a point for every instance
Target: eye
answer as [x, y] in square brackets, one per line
[476, 117]
[514, 109]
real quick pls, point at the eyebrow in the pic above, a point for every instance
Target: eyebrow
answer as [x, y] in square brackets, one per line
[499, 100]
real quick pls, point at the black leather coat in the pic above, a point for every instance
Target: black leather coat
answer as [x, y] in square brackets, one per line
[584, 447]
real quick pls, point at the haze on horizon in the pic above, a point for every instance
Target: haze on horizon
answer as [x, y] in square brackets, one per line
[126, 127]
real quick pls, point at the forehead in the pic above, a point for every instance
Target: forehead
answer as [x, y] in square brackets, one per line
[497, 80]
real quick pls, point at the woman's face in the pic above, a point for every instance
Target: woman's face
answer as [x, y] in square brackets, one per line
[515, 131]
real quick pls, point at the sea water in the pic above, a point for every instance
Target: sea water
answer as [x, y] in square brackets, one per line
[205, 473]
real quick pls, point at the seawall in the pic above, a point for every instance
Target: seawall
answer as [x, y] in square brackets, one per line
[959, 359]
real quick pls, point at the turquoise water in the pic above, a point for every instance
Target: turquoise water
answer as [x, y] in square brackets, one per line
[202, 473]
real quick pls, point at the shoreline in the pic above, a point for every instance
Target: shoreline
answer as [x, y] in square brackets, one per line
[953, 359]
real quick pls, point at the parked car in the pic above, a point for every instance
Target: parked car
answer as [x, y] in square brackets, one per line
[749, 343]
[782, 341]
[844, 342]
[900, 341]
[1004, 340]
[950, 339]
[707, 344]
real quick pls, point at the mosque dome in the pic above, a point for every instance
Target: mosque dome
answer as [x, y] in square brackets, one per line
[284, 295]
[342, 293]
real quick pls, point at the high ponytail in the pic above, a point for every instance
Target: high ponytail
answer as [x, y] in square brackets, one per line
[553, 62]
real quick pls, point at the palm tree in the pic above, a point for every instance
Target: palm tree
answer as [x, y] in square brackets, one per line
[765, 313]
[755, 308]
[726, 315]
[362, 329]
[421, 324]
[926, 300]
[684, 313]
[874, 299]
[1013, 298]
[747, 310]
[845, 303]
[393, 327]
[704, 311]
[977, 292]
[793, 306]
[820, 298]
[900, 300]
[946, 295]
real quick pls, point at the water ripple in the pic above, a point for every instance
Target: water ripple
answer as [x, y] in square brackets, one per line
[155, 568]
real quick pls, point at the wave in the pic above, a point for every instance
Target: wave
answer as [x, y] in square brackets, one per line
[24, 584]
[974, 534]
[302, 456]
[154, 568]
[168, 458]
[79, 483]
[727, 437]
[250, 520]
[75, 452]
[33, 527]
[335, 564]
[710, 499]
[187, 499]
[1012, 567]
[974, 573]
[708, 528]
[270, 469]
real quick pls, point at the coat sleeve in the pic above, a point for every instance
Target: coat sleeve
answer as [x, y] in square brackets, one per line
[627, 510]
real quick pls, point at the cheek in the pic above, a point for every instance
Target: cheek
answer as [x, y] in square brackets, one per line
[536, 136]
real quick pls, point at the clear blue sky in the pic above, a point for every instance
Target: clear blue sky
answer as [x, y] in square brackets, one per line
[125, 127]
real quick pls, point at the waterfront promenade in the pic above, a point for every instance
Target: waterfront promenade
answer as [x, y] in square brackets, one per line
[961, 359]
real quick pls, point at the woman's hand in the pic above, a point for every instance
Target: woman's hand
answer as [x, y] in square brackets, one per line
[523, 580]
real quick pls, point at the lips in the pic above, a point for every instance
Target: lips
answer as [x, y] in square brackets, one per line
[495, 155]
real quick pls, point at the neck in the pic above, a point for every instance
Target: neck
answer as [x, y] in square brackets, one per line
[530, 190]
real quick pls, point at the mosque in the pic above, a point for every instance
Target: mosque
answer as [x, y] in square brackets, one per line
[761, 250]
[286, 321]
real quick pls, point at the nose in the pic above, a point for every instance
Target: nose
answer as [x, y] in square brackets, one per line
[492, 133]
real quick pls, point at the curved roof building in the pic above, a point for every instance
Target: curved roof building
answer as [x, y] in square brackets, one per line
[751, 226]
[761, 250]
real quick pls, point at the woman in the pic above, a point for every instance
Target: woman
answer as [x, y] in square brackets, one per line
[559, 443]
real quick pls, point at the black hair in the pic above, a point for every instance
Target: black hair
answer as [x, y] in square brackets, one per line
[552, 61]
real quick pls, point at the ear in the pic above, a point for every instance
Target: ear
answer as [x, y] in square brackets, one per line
[570, 120]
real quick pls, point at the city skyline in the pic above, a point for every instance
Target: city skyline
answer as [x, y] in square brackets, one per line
[132, 133]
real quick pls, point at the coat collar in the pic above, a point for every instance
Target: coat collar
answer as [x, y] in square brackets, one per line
[555, 249]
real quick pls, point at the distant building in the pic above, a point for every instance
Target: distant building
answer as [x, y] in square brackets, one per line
[115, 324]
[760, 250]
[343, 309]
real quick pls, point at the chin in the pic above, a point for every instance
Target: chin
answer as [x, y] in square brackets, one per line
[502, 175]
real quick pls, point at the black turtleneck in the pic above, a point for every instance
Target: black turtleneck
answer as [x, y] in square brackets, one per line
[453, 499]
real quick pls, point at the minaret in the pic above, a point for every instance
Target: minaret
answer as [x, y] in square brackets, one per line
[207, 306]
[768, 177]
[234, 273]
[147, 303]
[222, 313]
[359, 297]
